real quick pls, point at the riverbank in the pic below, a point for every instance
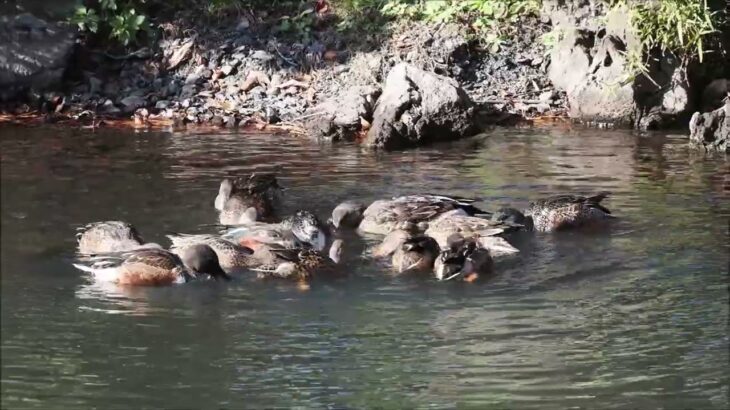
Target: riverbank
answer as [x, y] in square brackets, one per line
[246, 70]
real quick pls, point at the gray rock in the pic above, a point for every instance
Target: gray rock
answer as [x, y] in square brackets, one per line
[192, 79]
[419, 107]
[262, 56]
[243, 24]
[162, 104]
[132, 102]
[95, 85]
[33, 54]
[547, 96]
[110, 108]
[180, 54]
[590, 65]
[341, 117]
[227, 70]
[711, 130]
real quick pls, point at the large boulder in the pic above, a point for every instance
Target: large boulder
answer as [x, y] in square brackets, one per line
[342, 117]
[419, 107]
[711, 130]
[589, 63]
[33, 54]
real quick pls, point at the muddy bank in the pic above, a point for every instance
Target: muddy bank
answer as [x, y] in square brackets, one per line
[243, 71]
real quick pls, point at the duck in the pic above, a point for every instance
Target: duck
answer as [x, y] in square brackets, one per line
[560, 212]
[231, 256]
[384, 216]
[299, 264]
[109, 237]
[303, 228]
[463, 259]
[408, 250]
[156, 267]
[245, 200]
[347, 214]
[417, 253]
[486, 232]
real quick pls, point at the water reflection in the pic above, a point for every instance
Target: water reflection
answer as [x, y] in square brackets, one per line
[633, 315]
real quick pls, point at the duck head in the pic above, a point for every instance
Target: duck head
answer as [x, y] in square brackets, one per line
[462, 260]
[308, 229]
[348, 214]
[513, 216]
[202, 260]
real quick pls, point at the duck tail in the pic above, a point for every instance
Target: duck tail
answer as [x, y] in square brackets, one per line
[597, 198]
[474, 211]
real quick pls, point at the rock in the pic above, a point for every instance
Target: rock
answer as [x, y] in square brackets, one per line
[243, 24]
[227, 70]
[589, 63]
[110, 108]
[262, 56]
[95, 85]
[230, 122]
[253, 79]
[272, 115]
[132, 102]
[192, 79]
[419, 107]
[340, 68]
[340, 118]
[547, 96]
[217, 121]
[33, 54]
[711, 130]
[181, 54]
[162, 104]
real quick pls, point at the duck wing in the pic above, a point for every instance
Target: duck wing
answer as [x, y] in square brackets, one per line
[559, 201]
[157, 258]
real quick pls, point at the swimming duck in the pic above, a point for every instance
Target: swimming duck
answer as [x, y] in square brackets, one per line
[383, 216]
[417, 253]
[300, 264]
[408, 250]
[231, 256]
[301, 229]
[560, 212]
[109, 237]
[246, 200]
[463, 259]
[484, 231]
[348, 214]
[156, 267]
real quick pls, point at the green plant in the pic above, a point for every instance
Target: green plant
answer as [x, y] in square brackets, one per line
[681, 27]
[119, 20]
[299, 25]
[491, 20]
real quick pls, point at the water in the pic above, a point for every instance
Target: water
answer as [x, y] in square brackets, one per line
[631, 316]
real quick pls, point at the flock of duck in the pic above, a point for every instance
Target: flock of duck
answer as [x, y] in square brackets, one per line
[443, 236]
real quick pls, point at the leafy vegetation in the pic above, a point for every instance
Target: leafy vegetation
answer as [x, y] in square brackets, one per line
[118, 19]
[491, 20]
[682, 27]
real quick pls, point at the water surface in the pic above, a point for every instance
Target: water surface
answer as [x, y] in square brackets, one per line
[630, 316]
